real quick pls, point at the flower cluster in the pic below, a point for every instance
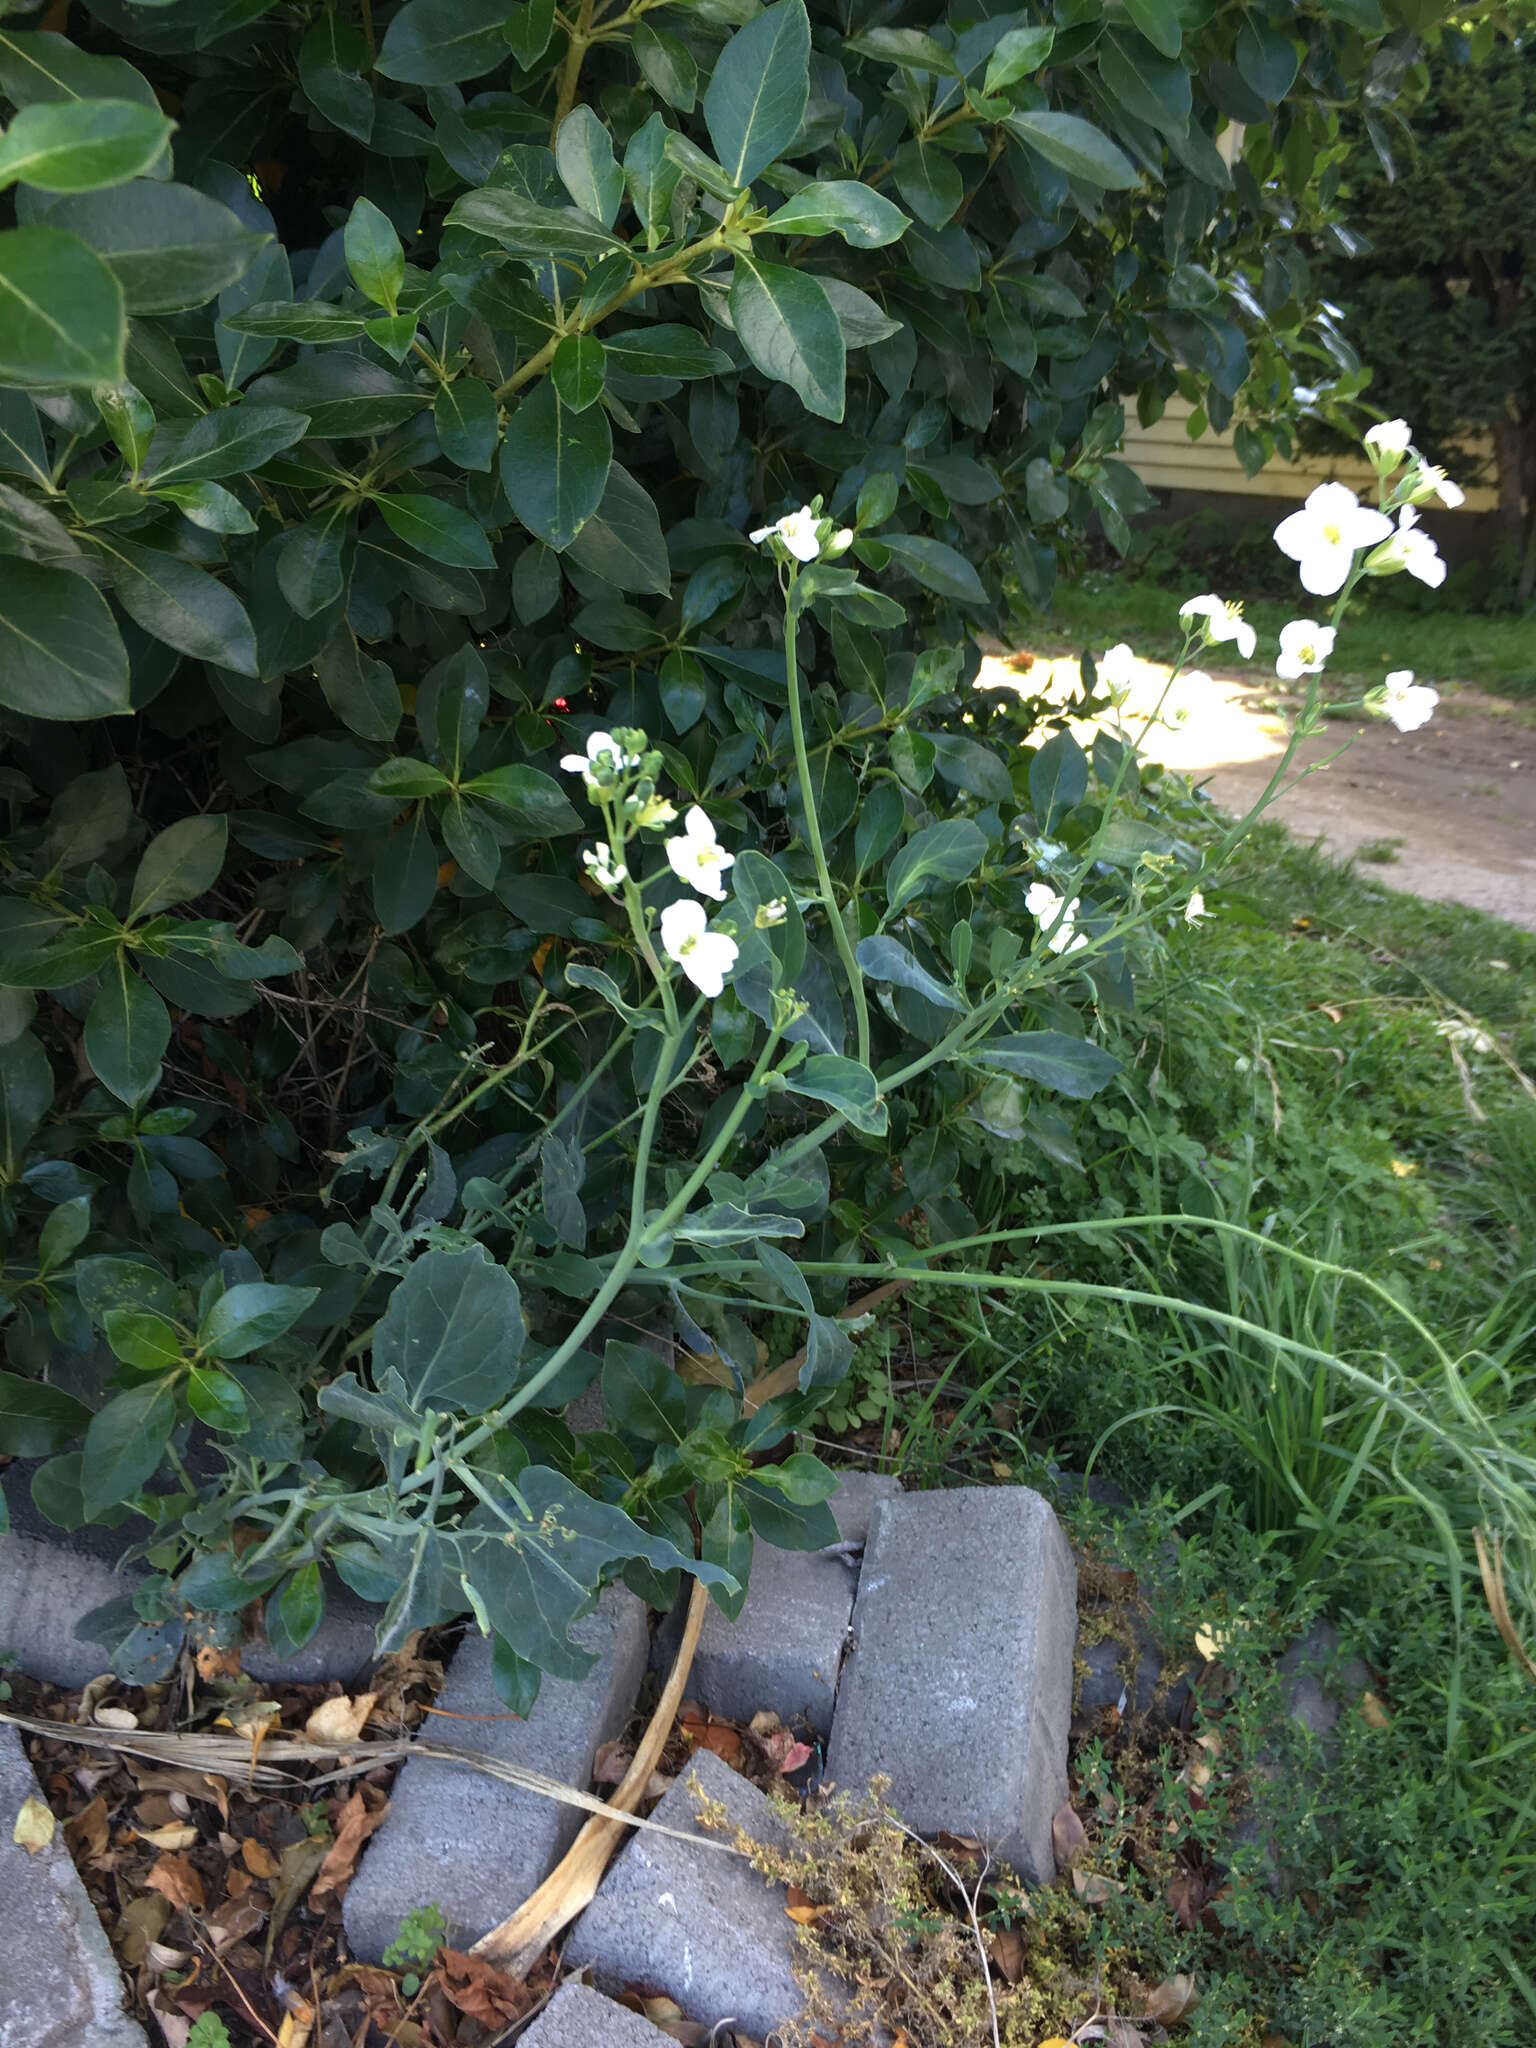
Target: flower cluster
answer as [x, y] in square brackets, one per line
[807, 535]
[1056, 916]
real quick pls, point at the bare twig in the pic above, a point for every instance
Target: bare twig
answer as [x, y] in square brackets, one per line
[1491, 1566]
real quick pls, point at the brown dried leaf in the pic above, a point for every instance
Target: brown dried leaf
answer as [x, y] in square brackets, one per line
[300, 1862]
[140, 1926]
[114, 1717]
[1372, 1712]
[213, 1662]
[355, 1825]
[478, 1988]
[1068, 1836]
[613, 1759]
[88, 1828]
[340, 1720]
[1186, 1896]
[258, 1858]
[1008, 1954]
[1173, 2000]
[179, 1880]
[1093, 1888]
[235, 1919]
[176, 1834]
[34, 1825]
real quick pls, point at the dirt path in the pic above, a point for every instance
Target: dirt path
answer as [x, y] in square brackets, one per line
[1455, 802]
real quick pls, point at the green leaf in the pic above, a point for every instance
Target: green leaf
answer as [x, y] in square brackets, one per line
[642, 1395]
[1018, 53]
[666, 65]
[652, 175]
[759, 90]
[333, 56]
[966, 764]
[36, 1420]
[182, 605]
[1160, 22]
[528, 29]
[168, 246]
[532, 802]
[409, 779]
[310, 571]
[882, 959]
[246, 1317]
[61, 312]
[843, 1084]
[1058, 778]
[909, 49]
[698, 164]
[464, 414]
[863, 218]
[585, 160]
[230, 442]
[935, 566]
[209, 506]
[1075, 146]
[342, 395]
[61, 655]
[950, 851]
[81, 145]
[124, 1445]
[362, 692]
[623, 542]
[405, 875]
[929, 180]
[127, 1029]
[578, 370]
[1267, 59]
[666, 350]
[453, 1331]
[1069, 1065]
[554, 465]
[308, 320]
[786, 323]
[438, 42]
[440, 531]
[66, 1228]
[218, 1400]
[26, 1094]
[374, 255]
[37, 66]
[142, 1339]
[524, 228]
[178, 864]
[295, 1611]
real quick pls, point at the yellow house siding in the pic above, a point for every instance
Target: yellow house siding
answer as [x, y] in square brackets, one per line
[1166, 459]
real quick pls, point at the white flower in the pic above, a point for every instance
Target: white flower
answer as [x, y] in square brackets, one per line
[1223, 621]
[1429, 481]
[706, 957]
[655, 810]
[1390, 437]
[1408, 704]
[600, 864]
[1048, 907]
[798, 531]
[603, 760]
[768, 914]
[1048, 849]
[1304, 647]
[697, 857]
[1322, 537]
[1409, 548]
[1116, 667]
[1195, 908]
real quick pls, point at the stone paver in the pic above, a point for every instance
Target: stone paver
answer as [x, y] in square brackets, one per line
[695, 1923]
[959, 1685]
[59, 1983]
[476, 1846]
[785, 1649]
[578, 2017]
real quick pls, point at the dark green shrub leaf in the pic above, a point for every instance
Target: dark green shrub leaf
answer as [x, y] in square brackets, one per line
[250, 1315]
[936, 566]
[362, 692]
[883, 959]
[585, 160]
[642, 1395]
[181, 605]
[524, 228]
[124, 1445]
[453, 1331]
[464, 414]
[438, 42]
[1076, 147]
[127, 1029]
[61, 311]
[37, 66]
[405, 875]
[666, 66]
[226, 443]
[80, 145]
[216, 1399]
[36, 1420]
[863, 218]
[665, 350]
[787, 325]
[1058, 778]
[554, 465]
[577, 371]
[178, 864]
[374, 255]
[968, 765]
[295, 1611]
[168, 246]
[342, 395]
[440, 531]
[333, 58]
[622, 542]
[61, 655]
[1018, 53]
[844, 1085]
[1069, 1065]
[758, 90]
[950, 851]
[909, 49]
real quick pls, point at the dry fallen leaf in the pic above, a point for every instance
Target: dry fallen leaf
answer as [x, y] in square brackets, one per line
[34, 1825]
[340, 1720]
[1173, 2000]
[1008, 1954]
[1093, 1888]
[478, 1988]
[1372, 1711]
[354, 1825]
[612, 1761]
[801, 1908]
[88, 1828]
[258, 1858]
[177, 1835]
[178, 1879]
[1068, 1836]
[115, 1717]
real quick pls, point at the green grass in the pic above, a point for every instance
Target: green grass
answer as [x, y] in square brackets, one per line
[1495, 653]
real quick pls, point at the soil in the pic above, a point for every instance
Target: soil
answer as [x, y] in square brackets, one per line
[1448, 812]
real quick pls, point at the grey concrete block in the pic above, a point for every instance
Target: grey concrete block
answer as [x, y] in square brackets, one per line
[858, 1495]
[696, 1923]
[59, 1981]
[476, 1846]
[1319, 1679]
[959, 1685]
[578, 2017]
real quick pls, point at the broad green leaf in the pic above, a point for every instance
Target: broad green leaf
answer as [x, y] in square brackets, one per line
[342, 395]
[405, 874]
[1072, 1066]
[966, 764]
[1146, 85]
[106, 1282]
[950, 852]
[578, 370]
[124, 1445]
[863, 218]
[882, 959]
[295, 1610]
[127, 1029]
[1018, 53]
[666, 350]
[1058, 778]
[310, 571]
[61, 312]
[26, 1094]
[1267, 59]
[66, 1229]
[909, 49]
[786, 323]
[81, 145]
[642, 1394]
[308, 320]
[407, 778]
[1075, 146]
[936, 566]
[623, 542]
[666, 65]
[182, 605]
[230, 442]
[844, 1085]
[143, 1339]
[178, 864]
[169, 246]
[374, 255]
[528, 28]
[209, 506]
[929, 180]
[438, 42]
[524, 228]
[332, 59]
[699, 165]
[585, 160]
[532, 802]
[464, 414]
[651, 174]
[759, 89]
[362, 692]
[1160, 21]
[250, 1315]
[37, 66]
[61, 655]
[453, 1331]
[554, 465]
[217, 1400]
[35, 1419]
[441, 531]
